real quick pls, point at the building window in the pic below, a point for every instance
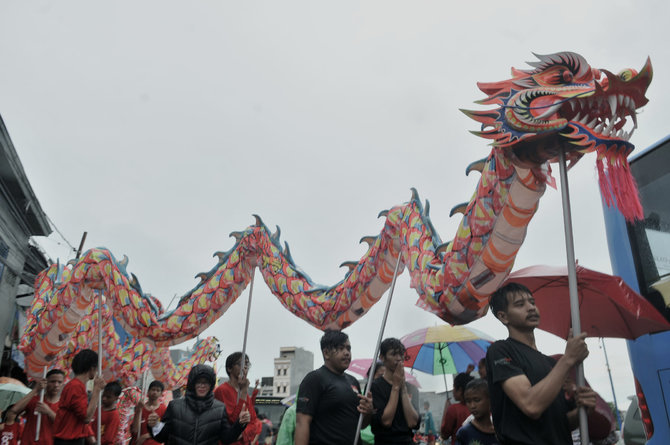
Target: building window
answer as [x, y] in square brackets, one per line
[278, 389]
[278, 371]
[284, 371]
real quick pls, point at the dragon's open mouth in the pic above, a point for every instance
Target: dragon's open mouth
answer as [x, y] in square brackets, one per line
[610, 117]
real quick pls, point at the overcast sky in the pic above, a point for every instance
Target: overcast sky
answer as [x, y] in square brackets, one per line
[159, 127]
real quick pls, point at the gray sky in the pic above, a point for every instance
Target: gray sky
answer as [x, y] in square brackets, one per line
[159, 127]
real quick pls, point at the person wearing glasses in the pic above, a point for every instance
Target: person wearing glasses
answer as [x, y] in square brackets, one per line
[197, 417]
[235, 395]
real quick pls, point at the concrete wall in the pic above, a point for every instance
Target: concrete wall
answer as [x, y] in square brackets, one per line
[302, 364]
[13, 243]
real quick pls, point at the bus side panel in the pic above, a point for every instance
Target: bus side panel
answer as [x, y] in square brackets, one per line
[649, 354]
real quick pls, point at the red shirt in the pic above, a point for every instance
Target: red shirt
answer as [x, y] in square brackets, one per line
[228, 395]
[70, 420]
[10, 434]
[453, 419]
[143, 422]
[46, 426]
[109, 426]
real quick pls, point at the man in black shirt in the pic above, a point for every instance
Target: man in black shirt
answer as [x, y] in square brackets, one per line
[394, 416]
[527, 400]
[330, 401]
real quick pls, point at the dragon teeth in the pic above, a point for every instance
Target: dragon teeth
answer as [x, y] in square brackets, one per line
[612, 102]
[599, 128]
[592, 123]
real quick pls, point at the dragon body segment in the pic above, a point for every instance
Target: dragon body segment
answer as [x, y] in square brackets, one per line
[535, 118]
[125, 358]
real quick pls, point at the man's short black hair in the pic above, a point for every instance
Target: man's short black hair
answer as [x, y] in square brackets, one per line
[55, 371]
[498, 300]
[462, 380]
[84, 361]
[333, 339]
[478, 385]
[113, 388]
[157, 384]
[234, 359]
[391, 345]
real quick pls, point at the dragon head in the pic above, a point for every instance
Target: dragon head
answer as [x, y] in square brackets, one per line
[563, 103]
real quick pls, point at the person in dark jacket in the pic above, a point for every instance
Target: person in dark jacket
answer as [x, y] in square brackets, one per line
[197, 418]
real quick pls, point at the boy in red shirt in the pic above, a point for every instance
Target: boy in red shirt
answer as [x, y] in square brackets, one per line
[455, 414]
[109, 417]
[10, 428]
[143, 410]
[235, 395]
[75, 411]
[47, 409]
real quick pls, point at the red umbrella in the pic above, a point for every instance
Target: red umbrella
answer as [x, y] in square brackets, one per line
[608, 307]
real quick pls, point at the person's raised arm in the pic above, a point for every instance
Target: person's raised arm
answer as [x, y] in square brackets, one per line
[388, 411]
[98, 386]
[230, 433]
[586, 397]
[302, 422]
[412, 417]
[137, 418]
[23, 402]
[533, 400]
[44, 409]
[153, 419]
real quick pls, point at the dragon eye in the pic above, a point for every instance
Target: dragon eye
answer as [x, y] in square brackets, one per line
[627, 74]
[556, 76]
[567, 76]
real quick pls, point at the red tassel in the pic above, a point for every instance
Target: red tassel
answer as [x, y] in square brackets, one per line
[617, 184]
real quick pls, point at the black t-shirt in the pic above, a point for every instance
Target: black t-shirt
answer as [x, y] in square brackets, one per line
[399, 432]
[509, 358]
[332, 401]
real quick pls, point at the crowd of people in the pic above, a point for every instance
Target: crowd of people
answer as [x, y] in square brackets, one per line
[520, 396]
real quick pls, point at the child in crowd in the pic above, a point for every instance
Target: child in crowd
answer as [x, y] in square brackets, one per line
[480, 429]
[46, 410]
[143, 410]
[75, 411]
[109, 417]
[455, 414]
[10, 428]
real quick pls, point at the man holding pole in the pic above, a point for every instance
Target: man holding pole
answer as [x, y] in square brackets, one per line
[330, 401]
[527, 400]
[143, 410]
[235, 395]
[75, 410]
[47, 409]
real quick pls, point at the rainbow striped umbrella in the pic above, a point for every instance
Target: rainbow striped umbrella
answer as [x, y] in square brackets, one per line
[445, 349]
